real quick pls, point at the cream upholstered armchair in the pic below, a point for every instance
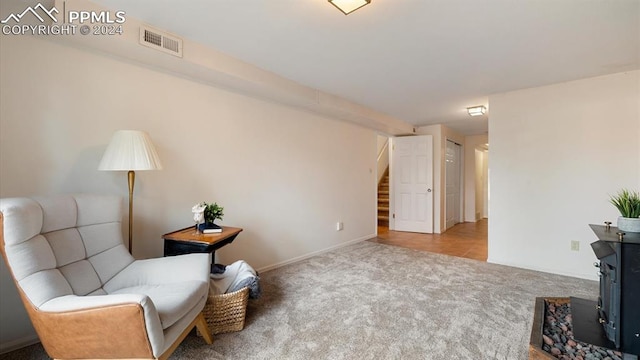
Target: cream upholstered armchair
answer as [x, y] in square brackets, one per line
[85, 294]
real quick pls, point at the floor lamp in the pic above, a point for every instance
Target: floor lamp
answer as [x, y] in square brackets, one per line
[130, 150]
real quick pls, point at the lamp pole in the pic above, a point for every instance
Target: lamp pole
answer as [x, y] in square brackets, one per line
[132, 178]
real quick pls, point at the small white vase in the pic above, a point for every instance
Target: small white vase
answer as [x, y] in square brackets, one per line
[629, 224]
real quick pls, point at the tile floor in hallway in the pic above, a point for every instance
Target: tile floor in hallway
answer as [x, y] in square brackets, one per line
[467, 240]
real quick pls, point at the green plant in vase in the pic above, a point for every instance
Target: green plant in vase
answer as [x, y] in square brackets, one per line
[628, 204]
[212, 212]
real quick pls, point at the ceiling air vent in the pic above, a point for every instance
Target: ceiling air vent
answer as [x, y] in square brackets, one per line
[162, 41]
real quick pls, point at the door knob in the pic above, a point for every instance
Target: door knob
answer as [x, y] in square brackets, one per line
[428, 190]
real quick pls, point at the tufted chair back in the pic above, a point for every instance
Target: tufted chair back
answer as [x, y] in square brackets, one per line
[64, 245]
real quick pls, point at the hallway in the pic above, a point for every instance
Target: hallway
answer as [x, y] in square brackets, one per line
[467, 240]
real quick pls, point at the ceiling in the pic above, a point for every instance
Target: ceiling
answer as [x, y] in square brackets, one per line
[421, 61]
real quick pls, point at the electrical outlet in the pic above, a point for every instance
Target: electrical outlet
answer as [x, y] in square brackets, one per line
[339, 226]
[575, 245]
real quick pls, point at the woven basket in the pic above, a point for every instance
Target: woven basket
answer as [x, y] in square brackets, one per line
[225, 312]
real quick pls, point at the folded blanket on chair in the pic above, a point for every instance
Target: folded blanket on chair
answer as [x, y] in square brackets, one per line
[235, 277]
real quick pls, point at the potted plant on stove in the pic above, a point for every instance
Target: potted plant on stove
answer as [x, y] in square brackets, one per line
[628, 204]
[211, 213]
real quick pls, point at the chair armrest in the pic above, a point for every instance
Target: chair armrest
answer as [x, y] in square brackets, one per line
[163, 270]
[74, 303]
[103, 326]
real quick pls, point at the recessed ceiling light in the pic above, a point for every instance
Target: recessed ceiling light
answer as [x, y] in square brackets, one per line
[349, 6]
[477, 110]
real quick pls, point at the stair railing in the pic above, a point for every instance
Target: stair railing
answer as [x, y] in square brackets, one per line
[383, 160]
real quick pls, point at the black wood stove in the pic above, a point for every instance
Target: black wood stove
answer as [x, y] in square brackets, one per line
[618, 306]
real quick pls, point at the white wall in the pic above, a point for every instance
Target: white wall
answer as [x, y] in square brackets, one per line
[285, 175]
[470, 175]
[484, 179]
[478, 209]
[557, 152]
[381, 141]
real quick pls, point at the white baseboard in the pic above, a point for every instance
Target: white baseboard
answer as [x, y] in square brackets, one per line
[19, 343]
[311, 254]
[543, 269]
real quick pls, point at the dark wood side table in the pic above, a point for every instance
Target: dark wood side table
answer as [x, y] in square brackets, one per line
[186, 241]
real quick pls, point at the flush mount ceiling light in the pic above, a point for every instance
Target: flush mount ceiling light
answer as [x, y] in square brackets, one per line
[349, 6]
[477, 110]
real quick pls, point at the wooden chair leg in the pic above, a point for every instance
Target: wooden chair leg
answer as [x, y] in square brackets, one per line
[201, 324]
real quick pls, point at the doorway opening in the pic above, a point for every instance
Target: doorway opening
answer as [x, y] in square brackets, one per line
[465, 236]
[383, 182]
[481, 182]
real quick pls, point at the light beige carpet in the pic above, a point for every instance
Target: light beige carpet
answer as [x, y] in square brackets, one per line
[373, 301]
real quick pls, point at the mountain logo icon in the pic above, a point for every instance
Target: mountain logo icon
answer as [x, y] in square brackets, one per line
[33, 10]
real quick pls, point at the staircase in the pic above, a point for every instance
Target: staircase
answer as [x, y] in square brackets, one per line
[383, 200]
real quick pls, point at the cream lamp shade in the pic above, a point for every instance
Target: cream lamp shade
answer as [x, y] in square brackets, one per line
[130, 150]
[349, 6]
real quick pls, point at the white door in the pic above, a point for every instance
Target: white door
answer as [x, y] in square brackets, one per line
[412, 183]
[453, 192]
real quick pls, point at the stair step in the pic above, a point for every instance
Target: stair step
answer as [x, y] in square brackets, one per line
[383, 201]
